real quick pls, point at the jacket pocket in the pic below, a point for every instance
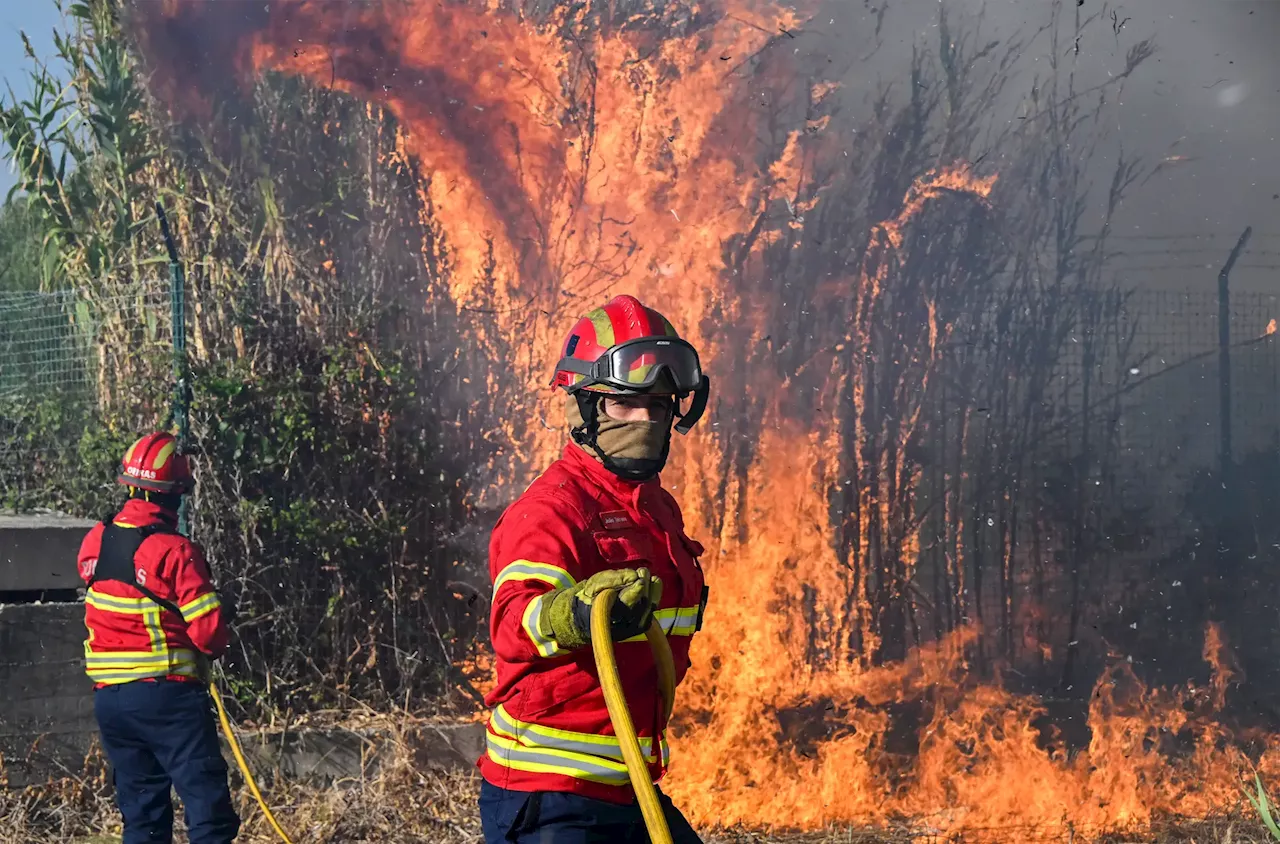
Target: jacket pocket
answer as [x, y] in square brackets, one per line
[556, 688]
[618, 548]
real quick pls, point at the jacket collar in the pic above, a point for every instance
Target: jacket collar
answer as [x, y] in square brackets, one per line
[629, 491]
[140, 513]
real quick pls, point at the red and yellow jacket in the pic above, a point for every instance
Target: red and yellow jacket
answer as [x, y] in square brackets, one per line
[131, 637]
[550, 729]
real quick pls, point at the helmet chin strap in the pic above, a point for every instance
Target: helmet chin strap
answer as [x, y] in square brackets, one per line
[632, 469]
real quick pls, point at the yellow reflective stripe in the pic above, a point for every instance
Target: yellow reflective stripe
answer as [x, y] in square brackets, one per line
[114, 603]
[124, 666]
[163, 455]
[117, 676]
[151, 621]
[674, 621]
[545, 760]
[134, 606]
[132, 657]
[203, 605]
[537, 735]
[603, 326]
[544, 645]
[557, 577]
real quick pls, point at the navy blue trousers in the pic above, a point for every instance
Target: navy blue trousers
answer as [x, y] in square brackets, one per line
[554, 817]
[161, 734]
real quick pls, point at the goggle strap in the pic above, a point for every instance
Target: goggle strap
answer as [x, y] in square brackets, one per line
[696, 407]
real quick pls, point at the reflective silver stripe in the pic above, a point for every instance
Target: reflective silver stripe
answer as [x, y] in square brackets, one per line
[108, 659]
[536, 735]
[683, 622]
[203, 605]
[554, 576]
[143, 661]
[549, 761]
[675, 621]
[112, 603]
[545, 646]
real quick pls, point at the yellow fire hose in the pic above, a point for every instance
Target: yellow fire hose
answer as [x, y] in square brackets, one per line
[244, 766]
[607, 666]
[619, 714]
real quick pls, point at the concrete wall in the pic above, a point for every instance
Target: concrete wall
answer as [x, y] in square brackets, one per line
[38, 553]
[325, 756]
[46, 701]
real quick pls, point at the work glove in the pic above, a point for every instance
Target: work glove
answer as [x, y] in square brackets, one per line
[229, 606]
[204, 667]
[566, 616]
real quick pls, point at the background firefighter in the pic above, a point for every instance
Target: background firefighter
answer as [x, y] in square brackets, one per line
[155, 622]
[597, 518]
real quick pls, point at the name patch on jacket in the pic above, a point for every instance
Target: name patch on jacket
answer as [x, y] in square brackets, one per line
[616, 520]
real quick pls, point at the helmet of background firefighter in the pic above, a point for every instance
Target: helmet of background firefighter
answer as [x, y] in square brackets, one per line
[154, 464]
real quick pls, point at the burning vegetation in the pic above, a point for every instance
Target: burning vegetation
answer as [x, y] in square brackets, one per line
[912, 491]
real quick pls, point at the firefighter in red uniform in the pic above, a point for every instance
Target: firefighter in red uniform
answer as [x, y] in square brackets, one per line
[597, 518]
[155, 622]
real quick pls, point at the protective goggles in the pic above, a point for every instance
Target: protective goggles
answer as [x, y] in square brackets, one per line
[636, 365]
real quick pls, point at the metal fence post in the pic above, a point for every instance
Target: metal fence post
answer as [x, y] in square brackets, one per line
[1224, 358]
[181, 376]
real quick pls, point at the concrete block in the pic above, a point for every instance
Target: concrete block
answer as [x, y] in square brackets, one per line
[38, 552]
[40, 633]
[329, 755]
[46, 701]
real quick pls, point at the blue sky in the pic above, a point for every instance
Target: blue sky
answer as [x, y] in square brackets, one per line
[37, 18]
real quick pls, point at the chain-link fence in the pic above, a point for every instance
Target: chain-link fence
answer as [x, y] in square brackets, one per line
[1171, 424]
[59, 342]
[69, 360]
[74, 345]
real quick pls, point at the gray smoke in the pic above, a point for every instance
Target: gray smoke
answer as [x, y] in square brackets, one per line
[1211, 93]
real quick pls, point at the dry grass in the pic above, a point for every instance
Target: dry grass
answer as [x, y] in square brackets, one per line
[399, 805]
[405, 806]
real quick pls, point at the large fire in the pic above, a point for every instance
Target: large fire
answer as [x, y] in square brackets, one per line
[563, 172]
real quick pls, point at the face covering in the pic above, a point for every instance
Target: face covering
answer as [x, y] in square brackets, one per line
[634, 451]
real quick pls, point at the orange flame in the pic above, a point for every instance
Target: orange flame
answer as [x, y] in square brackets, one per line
[1271, 328]
[563, 171]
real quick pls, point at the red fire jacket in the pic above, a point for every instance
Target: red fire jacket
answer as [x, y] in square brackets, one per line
[550, 729]
[130, 636]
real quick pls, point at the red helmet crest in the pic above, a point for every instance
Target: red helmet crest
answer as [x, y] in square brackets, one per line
[154, 463]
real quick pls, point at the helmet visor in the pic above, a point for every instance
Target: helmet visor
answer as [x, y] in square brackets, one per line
[636, 366]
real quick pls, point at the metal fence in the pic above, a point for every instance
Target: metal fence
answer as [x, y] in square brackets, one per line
[60, 342]
[67, 357]
[1172, 425]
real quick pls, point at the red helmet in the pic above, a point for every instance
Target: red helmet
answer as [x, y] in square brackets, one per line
[625, 348]
[154, 463]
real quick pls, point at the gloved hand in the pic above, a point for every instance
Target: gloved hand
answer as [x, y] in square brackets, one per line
[229, 606]
[566, 617]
